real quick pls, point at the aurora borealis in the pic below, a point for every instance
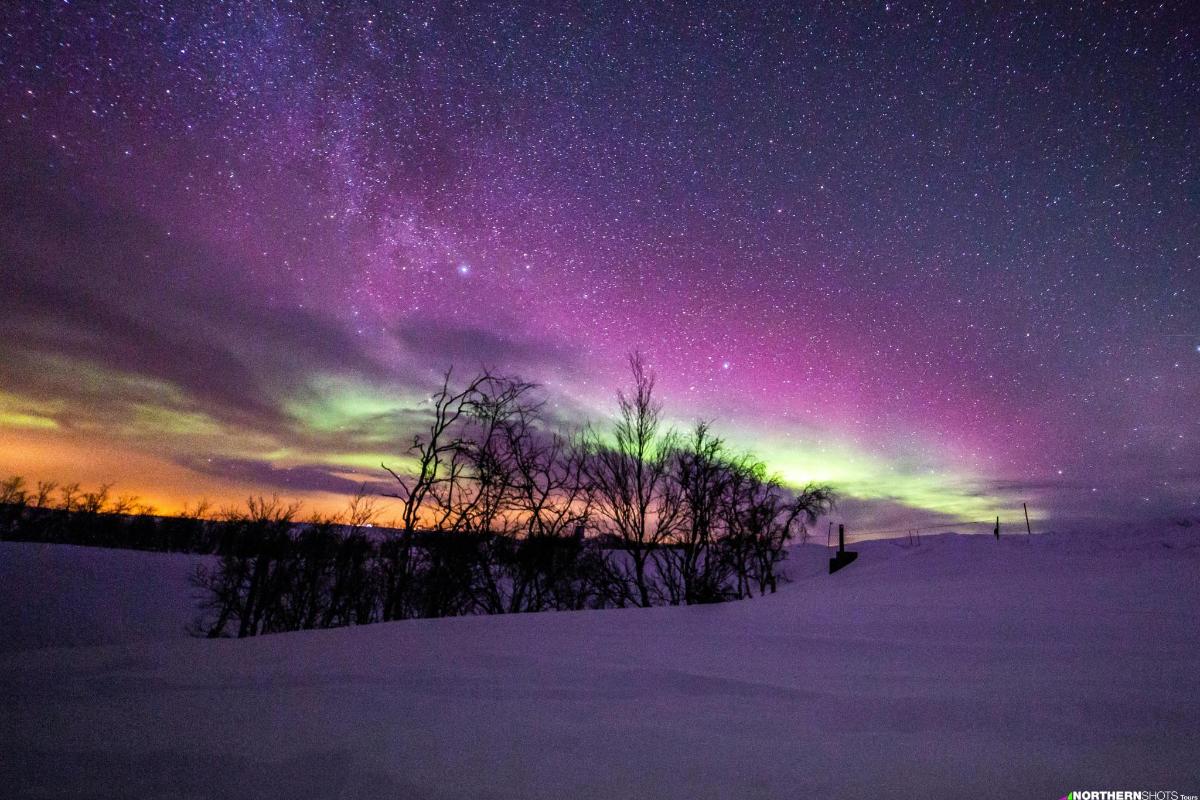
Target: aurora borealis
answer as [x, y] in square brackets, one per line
[946, 257]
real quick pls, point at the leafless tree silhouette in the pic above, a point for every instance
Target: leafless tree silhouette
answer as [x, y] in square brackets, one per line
[627, 470]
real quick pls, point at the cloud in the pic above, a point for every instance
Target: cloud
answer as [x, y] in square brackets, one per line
[866, 518]
[104, 286]
[441, 343]
[298, 479]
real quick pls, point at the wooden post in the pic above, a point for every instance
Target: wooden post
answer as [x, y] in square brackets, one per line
[997, 527]
[1028, 530]
[843, 556]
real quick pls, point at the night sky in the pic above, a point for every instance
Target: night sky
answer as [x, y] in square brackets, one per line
[946, 257]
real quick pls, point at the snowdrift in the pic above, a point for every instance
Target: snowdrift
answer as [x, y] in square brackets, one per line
[960, 667]
[60, 594]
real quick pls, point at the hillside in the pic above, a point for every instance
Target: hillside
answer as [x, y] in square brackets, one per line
[64, 595]
[962, 667]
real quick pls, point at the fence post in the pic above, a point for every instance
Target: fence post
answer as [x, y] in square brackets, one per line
[843, 556]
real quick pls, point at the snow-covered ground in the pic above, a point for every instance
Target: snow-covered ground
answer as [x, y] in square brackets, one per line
[54, 595]
[964, 667]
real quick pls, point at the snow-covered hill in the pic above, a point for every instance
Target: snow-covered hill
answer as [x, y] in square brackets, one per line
[964, 667]
[54, 595]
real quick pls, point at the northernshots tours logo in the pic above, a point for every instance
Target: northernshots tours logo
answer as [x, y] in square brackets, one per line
[1109, 794]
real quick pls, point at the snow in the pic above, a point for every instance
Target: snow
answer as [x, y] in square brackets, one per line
[962, 667]
[58, 594]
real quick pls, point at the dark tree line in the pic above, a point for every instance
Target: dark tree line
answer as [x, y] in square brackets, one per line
[499, 513]
[68, 514]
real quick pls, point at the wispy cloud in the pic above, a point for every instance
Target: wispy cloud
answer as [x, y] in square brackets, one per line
[106, 287]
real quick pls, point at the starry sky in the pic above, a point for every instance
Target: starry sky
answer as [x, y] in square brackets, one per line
[943, 256]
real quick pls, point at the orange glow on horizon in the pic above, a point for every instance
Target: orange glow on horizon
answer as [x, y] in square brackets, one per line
[69, 457]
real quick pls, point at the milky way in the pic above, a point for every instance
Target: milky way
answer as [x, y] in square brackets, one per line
[944, 257]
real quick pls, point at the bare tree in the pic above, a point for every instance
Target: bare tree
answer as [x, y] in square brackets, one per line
[496, 507]
[701, 471]
[96, 502]
[201, 510]
[41, 498]
[353, 591]
[14, 496]
[627, 472]
[551, 499]
[251, 577]
[126, 504]
[480, 493]
[362, 509]
[13, 491]
[430, 491]
[762, 518]
[68, 495]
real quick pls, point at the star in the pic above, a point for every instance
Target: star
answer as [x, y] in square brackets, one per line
[919, 284]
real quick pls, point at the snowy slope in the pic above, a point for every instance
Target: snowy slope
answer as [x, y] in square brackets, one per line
[57, 594]
[963, 667]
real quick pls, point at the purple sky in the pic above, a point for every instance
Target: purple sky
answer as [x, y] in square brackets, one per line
[947, 259]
